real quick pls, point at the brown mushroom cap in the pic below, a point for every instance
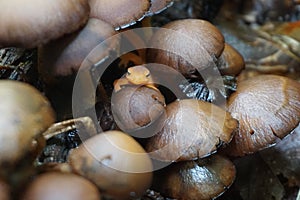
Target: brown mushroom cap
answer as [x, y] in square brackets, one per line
[55, 185]
[34, 22]
[192, 45]
[231, 62]
[121, 13]
[25, 113]
[64, 56]
[193, 129]
[134, 107]
[159, 5]
[267, 107]
[115, 162]
[201, 179]
[4, 191]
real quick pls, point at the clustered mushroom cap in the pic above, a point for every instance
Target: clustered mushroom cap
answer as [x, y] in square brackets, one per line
[115, 162]
[231, 62]
[200, 179]
[267, 107]
[24, 114]
[64, 56]
[193, 129]
[121, 13]
[57, 185]
[34, 22]
[188, 45]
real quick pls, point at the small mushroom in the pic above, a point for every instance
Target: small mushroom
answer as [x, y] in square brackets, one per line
[34, 22]
[4, 191]
[115, 162]
[202, 179]
[56, 185]
[231, 62]
[63, 57]
[121, 13]
[267, 107]
[188, 45]
[24, 114]
[193, 129]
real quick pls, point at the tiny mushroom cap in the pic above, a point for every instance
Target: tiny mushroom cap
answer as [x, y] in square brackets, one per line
[231, 62]
[158, 6]
[267, 107]
[121, 13]
[202, 179]
[64, 56]
[34, 22]
[115, 162]
[4, 191]
[57, 185]
[193, 129]
[24, 114]
[188, 45]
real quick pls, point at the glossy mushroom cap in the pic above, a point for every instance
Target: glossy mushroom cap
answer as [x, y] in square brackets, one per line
[231, 62]
[201, 179]
[158, 6]
[188, 45]
[34, 22]
[64, 56]
[193, 129]
[121, 13]
[4, 191]
[55, 185]
[267, 107]
[24, 114]
[115, 162]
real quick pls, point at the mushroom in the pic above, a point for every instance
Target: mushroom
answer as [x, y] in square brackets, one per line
[193, 129]
[64, 56]
[4, 191]
[231, 62]
[158, 6]
[25, 113]
[121, 13]
[31, 23]
[188, 45]
[267, 107]
[200, 179]
[56, 185]
[115, 162]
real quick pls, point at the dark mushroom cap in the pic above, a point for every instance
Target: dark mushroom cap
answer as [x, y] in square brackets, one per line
[24, 114]
[115, 162]
[64, 56]
[56, 185]
[137, 106]
[201, 179]
[231, 62]
[4, 191]
[267, 107]
[34, 22]
[193, 129]
[121, 13]
[158, 6]
[188, 46]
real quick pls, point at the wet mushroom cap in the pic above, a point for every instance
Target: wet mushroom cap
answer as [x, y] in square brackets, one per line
[4, 191]
[200, 179]
[193, 129]
[267, 107]
[56, 185]
[231, 62]
[186, 45]
[34, 22]
[24, 114]
[64, 56]
[115, 162]
[121, 13]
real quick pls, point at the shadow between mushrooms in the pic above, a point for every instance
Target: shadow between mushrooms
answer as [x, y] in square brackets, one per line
[193, 129]
[267, 107]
